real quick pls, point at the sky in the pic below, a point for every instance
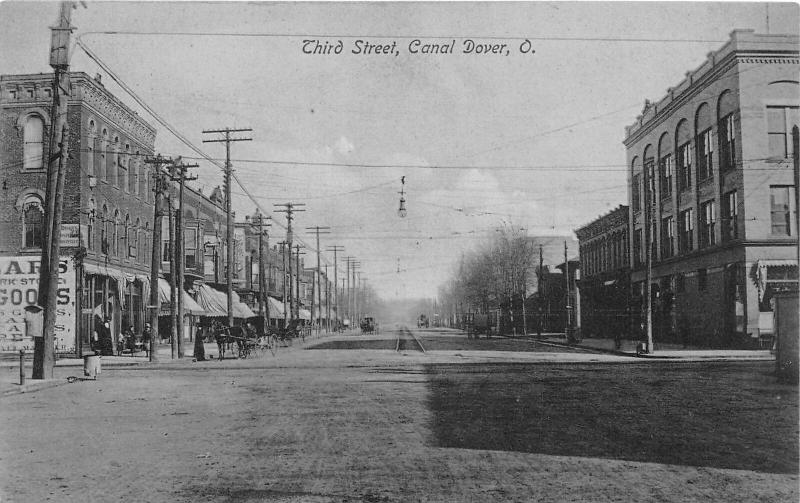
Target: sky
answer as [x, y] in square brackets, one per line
[526, 137]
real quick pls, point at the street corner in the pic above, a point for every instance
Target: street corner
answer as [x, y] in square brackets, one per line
[9, 389]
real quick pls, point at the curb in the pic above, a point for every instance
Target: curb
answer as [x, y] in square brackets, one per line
[34, 386]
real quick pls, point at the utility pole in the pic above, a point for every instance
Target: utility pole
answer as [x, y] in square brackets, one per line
[541, 291]
[173, 287]
[648, 239]
[347, 261]
[297, 283]
[178, 174]
[796, 159]
[353, 266]
[327, 302]
[317, 230]
[335, 249]
[283, 283]
[44, 350]
[229, 214]
[160, 201]
[568, 328]
[263, 297]
[290, 209]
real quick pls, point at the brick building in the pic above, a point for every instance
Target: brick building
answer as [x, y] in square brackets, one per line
[108, 214]
[710, 167]
[108, 203]
[605, 275]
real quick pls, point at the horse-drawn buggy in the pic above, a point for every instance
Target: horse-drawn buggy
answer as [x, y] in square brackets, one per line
[368, 326]
[284, 335]
[244, 338]
[476, 324]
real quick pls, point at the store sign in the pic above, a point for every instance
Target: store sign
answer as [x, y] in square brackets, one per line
[19, 287]
[70, 235]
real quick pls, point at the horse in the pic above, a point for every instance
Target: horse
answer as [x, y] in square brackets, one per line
[226, 336]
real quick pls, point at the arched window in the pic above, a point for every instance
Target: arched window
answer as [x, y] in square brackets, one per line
[116, 236]
[103, 172]
[106, 222]
[32, 222]
[137, 174]
[127, 238]
[146, 241]
[91, 211]
[90, 148]
[136, 241]
[124, 179]
[115, 167]
[33, 138]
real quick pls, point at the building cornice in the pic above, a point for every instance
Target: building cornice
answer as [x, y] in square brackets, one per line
[744, 47]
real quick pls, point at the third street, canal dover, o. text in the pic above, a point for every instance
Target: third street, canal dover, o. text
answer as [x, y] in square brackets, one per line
[417, 47]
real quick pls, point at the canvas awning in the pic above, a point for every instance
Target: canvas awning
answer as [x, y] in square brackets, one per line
[275, 308]
[189, 304]
[240, 309]
[215, 303]
[761, 272]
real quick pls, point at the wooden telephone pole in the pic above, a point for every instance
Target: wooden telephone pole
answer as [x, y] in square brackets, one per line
[297, 283]
[159, 207]
[177, 265]
[290, 209]
[324, 230]
[335, 249]
[44, 343]
[229, 214]
[263, 292]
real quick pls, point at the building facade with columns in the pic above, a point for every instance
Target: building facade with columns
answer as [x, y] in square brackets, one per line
[711, 193]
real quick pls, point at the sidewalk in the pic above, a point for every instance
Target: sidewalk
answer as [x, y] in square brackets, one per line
[73, 367]
[667, 350]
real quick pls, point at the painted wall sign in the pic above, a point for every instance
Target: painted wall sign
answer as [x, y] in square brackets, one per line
[19, 287]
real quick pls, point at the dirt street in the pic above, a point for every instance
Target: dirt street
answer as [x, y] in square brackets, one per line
[373, 426]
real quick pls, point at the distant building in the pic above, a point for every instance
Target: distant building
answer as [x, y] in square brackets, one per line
[605, 275]
[713, 159]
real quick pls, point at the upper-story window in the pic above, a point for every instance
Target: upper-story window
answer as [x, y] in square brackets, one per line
[90, 148]
[650, 186]
[190, 247]
[116, 237]
[137, 243]
[32, 222]
[90, 229]
[33, 139]
[684, 161]
[685, 228]
[667, 237]
[781, 200]
[123, 169]
[727, 143]
[128, 241]
[636, 197]
[104, 232]
[665, 174]
[705, 156]
[103, 171]
[730, 216]
[115, 166]
[780, 121]
[707, 221]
